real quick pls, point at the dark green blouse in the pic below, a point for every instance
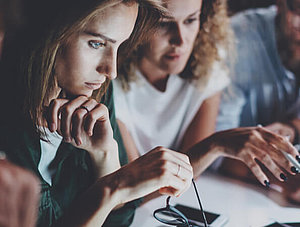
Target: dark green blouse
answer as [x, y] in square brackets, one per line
[73, 175]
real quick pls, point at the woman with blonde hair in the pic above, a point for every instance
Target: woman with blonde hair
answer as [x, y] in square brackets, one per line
[167, 93]
[59, 120]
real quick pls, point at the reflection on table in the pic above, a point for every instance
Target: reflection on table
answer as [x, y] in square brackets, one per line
[244, 204]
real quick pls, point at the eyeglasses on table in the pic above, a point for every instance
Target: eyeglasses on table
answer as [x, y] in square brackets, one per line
[172, 216]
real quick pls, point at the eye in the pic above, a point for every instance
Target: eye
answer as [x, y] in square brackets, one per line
[96, 44]
[164, 24]
[190, 20]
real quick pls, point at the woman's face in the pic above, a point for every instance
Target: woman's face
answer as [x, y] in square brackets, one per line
[90, 57]
[171, 46]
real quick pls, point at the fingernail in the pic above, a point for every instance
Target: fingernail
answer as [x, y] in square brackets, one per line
[283, 177]
[68, 140]
[294, 169]
[78, 142]
[298, 158]
[90, 133]
[267, 183]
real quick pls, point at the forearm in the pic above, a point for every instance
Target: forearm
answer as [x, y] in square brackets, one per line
[202, 155]
[93, 207]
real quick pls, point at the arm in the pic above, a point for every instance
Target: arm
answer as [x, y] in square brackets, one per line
[19, 196]
[129, 144]
[247, 145]
[203, 123]
[130, 182]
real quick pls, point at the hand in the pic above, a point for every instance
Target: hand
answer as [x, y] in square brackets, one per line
[256, 143]
[283, 130]
[19, 196]
[85, 123]
[160, 169]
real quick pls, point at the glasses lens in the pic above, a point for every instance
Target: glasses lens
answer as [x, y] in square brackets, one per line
[170, 217]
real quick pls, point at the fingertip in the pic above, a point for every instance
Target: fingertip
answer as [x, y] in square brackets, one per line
[53, 127]
[266, 183]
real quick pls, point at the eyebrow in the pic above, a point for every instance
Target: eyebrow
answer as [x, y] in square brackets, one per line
[192, 14]
[100, 36]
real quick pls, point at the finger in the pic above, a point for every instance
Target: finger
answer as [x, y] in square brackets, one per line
[173, 185]
[259, 144]
[98, 114]
[77, 125]
[66, 116]
[180, 171]
[280, 142]
[173, 156]
[269, 163]
[52, 113]
[248, 159]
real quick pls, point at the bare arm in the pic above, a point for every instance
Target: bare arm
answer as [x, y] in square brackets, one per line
[203, 124]
[129, 144]
[247, 145]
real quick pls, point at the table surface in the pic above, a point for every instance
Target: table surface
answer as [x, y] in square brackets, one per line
[244, 204]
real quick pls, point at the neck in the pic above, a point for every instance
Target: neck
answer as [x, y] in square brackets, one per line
[154, 75]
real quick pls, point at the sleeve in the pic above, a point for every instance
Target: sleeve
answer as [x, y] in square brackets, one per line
[218, 80]
[231, 105]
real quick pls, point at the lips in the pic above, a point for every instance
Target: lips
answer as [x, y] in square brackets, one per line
[94, 85]
[173, 55]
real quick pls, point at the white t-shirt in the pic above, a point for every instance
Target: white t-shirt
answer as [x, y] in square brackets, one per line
[156, 118]
[48, 152]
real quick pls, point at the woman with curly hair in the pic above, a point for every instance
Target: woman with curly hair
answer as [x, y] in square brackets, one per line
[167, 93]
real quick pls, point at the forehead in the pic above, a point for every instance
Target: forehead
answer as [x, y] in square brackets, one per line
[183, 8]
[115, 21]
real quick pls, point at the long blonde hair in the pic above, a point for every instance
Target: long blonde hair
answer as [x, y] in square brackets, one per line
[214, 33]
[33, 62]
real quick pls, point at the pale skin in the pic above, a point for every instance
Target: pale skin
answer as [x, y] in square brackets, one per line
[88, 59]
[164, 56]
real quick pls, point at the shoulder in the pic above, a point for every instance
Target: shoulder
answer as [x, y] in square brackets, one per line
[253, 20]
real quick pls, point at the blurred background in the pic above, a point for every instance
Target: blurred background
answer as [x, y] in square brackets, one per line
[238, 5]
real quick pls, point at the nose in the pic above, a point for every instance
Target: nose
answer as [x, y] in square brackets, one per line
[176, 37]
[108, 64]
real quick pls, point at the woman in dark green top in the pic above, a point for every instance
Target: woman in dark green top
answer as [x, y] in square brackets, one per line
[58, 114]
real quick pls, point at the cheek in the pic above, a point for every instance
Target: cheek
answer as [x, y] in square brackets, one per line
[192, 34]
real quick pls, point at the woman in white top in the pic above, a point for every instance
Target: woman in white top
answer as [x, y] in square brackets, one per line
[171, 87]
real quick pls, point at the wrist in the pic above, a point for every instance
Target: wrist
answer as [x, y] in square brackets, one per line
[106, 161]
[112, 184]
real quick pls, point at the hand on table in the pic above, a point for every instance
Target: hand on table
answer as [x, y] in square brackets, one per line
[257, 143]
[160, 169]
[19, 196]
[283, 130]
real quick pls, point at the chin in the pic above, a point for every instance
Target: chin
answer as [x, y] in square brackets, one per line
[175, 69]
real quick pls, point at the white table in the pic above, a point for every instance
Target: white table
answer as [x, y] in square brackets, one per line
[244, 204]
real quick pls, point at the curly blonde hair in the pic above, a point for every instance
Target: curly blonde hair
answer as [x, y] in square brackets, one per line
[214, 35]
